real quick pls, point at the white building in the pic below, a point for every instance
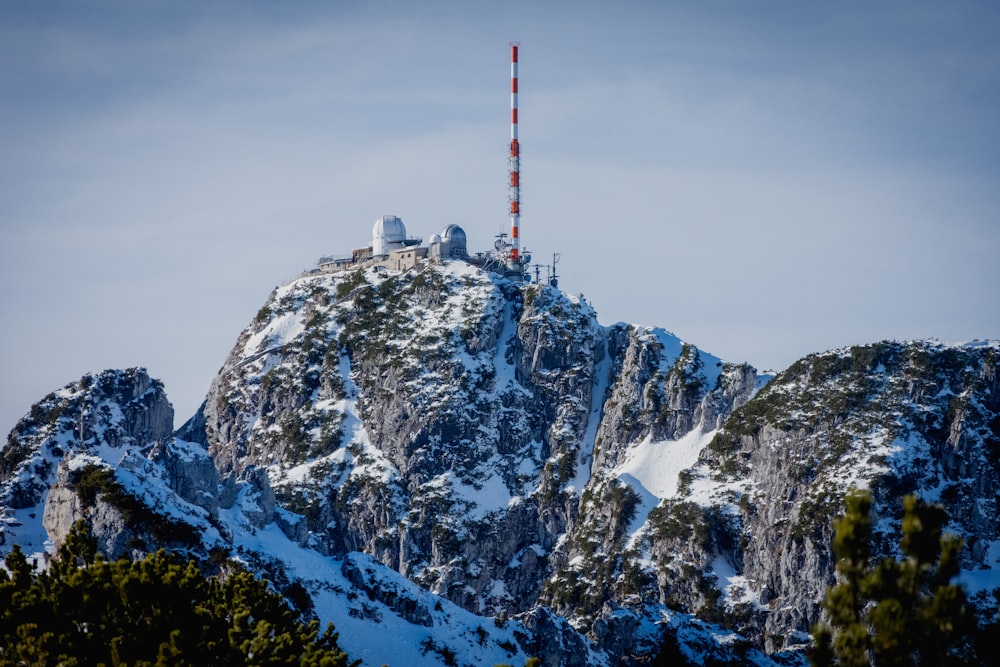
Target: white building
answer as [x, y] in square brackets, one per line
[388, 234]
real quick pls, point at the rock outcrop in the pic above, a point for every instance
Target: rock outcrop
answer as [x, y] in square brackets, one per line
[896, 418]
[87, 451]
[118, 409]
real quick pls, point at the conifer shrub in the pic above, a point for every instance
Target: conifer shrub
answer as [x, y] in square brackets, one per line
[680, 520]
[92, 482]
[687, 369]
[263, 315]
[906, 611]
[352, 280]
[158, 610]
[12, 455]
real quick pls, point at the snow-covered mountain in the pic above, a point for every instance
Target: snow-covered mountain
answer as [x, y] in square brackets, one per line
[483, 470]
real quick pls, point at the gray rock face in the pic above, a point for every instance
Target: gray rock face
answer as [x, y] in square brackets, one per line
[456, 428]
[63, 508]
[554, 641]
[143, 413]
[897, 418]
[260, 508]
[389, 419]
[191, 472]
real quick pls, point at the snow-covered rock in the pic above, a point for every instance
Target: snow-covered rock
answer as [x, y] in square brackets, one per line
[486, 471]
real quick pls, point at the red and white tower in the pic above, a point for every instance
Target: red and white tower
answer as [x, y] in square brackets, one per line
[514, 193]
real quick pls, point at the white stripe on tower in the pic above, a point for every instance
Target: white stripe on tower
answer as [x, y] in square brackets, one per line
[515, 161]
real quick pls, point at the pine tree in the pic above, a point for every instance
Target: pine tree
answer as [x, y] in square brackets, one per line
[158, 610]
[897, 613]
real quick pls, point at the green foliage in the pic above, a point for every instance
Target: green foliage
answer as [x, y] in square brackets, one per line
[816, 509]
[93, 481]
[585, 588]
[670, 652]
[263, 315]
[897, 612]
[48, 410]
[530, 662]
[158, 610]
[530, 294]
[352, 280]
[685, 478]
[446, 653]
[295, 437]
[681, 521]
[687, 370]
[843, 382]
[11, 455]
[79, 548]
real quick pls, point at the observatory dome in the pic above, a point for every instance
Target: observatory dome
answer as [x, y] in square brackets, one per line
[453, 237]
[453, 233]
[387, 233]
[390, 228]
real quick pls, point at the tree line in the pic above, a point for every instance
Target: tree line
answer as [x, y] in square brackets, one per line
[159, 610]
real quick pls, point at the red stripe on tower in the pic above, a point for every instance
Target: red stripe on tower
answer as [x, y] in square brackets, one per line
[514, 193]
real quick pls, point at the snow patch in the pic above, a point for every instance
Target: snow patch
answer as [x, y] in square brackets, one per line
[657, 465]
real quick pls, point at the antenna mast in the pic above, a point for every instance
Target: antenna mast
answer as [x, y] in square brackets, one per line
[514, 193]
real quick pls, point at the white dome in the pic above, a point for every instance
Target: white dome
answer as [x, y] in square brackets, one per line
[390, 228]
[435, 238]
[386, 233]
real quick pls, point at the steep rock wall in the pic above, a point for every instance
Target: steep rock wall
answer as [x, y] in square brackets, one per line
[896, 418]
[461, 429]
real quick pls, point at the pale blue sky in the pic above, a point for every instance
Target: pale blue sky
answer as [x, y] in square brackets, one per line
[763, 179]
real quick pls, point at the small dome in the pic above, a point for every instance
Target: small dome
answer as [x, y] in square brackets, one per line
[435, 238]
[390, 229]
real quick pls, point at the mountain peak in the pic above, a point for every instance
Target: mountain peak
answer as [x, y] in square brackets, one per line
[480, 465]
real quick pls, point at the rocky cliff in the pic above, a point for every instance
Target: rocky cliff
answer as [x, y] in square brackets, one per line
[496, 452]
[120, 409]
[897, 418]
